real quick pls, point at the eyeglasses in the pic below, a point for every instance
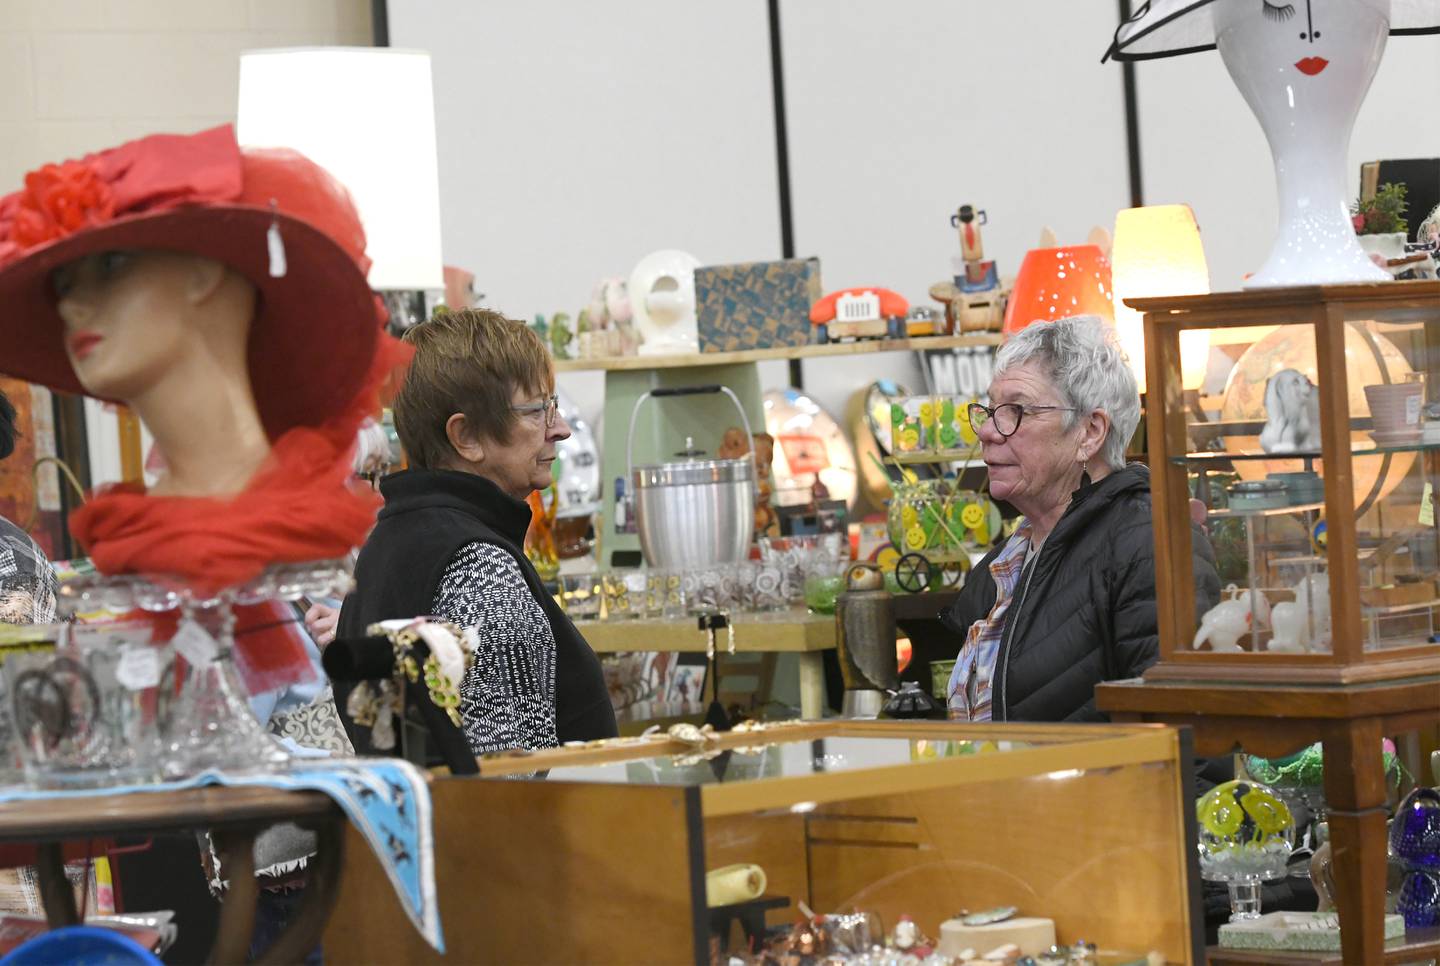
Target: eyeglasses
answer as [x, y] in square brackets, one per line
[1007, 416]
[550, 406]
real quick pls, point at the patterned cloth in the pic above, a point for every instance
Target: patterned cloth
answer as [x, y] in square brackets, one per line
[386, 799]
[974, 670]
[507, 699]
[27, 582]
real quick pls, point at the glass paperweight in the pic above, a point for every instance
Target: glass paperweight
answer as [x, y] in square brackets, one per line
[1246, 836]
[1418, 900]
[1415, 831]
[206, 721]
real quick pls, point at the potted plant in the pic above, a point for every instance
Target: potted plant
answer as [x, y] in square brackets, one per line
[1380, 222]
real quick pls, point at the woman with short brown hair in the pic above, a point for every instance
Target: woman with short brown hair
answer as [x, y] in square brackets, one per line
[478, 419]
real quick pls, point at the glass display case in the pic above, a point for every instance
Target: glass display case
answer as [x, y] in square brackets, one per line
[1310, 455]
[601, 853]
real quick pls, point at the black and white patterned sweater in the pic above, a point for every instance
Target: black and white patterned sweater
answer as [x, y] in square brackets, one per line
[507, 699]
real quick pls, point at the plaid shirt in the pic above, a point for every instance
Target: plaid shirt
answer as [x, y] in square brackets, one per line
[974, 670]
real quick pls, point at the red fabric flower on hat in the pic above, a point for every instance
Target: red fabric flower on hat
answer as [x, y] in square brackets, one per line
[59, 200]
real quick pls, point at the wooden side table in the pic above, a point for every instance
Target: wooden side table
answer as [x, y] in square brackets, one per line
[1275, 720]
[233, 815]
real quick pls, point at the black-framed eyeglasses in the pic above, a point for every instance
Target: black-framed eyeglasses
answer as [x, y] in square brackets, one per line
[550, 406]
[1006, 416]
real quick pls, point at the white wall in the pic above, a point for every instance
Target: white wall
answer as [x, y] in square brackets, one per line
[901, 112]
[576, 137]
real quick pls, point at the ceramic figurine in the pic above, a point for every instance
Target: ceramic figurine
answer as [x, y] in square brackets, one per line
[1304, 624]
[1292, 414]
[1224, 624]
[1304, 69]
[560, 335]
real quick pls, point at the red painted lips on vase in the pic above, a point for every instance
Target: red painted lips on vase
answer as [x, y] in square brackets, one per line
[1311, 66]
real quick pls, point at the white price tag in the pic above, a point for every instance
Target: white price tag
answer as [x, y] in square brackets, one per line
[139, 668]
[1427, 506]
[195, 645]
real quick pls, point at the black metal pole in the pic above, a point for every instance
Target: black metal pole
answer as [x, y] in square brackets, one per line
[1132, 121]
[380, 23]
[782, 158]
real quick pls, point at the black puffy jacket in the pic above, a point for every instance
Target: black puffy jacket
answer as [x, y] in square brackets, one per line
[1088, 612]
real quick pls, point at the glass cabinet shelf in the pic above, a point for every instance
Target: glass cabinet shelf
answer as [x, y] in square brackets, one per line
[1226, 514]
[1367, 449]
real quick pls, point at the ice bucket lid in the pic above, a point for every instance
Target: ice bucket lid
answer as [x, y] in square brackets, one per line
[693, 472]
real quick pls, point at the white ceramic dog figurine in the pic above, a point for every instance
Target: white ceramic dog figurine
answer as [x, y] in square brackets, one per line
[1225, 623]
[1292, 414]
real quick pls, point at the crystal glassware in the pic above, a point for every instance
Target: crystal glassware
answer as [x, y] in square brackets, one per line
[90, 712]
[208, 723]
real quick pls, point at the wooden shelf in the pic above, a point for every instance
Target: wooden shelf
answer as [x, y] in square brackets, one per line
[782, 631]
[692, 359]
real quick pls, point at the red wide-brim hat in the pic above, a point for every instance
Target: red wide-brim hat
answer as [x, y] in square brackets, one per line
[271, 214]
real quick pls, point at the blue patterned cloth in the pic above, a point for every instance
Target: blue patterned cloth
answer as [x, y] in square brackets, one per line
[385, 798]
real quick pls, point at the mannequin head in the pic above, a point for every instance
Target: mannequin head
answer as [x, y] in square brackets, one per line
[136, 319]
[166, 333]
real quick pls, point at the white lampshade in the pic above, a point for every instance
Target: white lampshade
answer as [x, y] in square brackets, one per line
[367, 115]
[1157, 253]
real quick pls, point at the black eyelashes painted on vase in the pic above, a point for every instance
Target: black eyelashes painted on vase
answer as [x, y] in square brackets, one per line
[1277, 13]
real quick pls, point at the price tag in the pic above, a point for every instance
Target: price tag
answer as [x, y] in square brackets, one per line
[1427, 505]
[193, 644]
[139, 668]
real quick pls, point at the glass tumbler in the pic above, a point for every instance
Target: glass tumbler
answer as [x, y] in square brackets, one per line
[580, 596]
[91, 712]
[624, 592]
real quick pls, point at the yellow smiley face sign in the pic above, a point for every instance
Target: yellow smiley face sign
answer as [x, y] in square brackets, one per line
[972, 516]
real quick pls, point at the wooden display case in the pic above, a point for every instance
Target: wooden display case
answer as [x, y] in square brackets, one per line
[1378, 549]
[601, 855]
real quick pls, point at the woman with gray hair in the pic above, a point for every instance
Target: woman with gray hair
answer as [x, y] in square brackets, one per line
[1069, 600]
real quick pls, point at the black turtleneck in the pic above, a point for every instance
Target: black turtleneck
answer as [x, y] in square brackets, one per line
[429, 516]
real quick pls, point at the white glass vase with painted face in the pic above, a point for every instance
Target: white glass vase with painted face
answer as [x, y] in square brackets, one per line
[1305, 67]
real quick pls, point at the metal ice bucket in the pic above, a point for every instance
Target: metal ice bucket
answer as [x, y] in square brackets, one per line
[693, 513]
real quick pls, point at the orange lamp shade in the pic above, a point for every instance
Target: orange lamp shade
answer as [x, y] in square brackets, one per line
[1056, 283]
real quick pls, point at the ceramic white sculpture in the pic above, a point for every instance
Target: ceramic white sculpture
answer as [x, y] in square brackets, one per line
[1305, 76]
[1304, 624]
[1304, 67]
[1292, 414]
[1224, 624]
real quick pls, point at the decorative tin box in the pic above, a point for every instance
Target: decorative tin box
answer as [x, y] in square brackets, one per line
[756, 305]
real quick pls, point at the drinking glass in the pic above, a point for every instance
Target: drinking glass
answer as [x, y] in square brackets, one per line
[91, 712]
[624, 592]
[580, 596]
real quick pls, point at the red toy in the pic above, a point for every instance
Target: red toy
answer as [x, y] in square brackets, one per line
[858, 312]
